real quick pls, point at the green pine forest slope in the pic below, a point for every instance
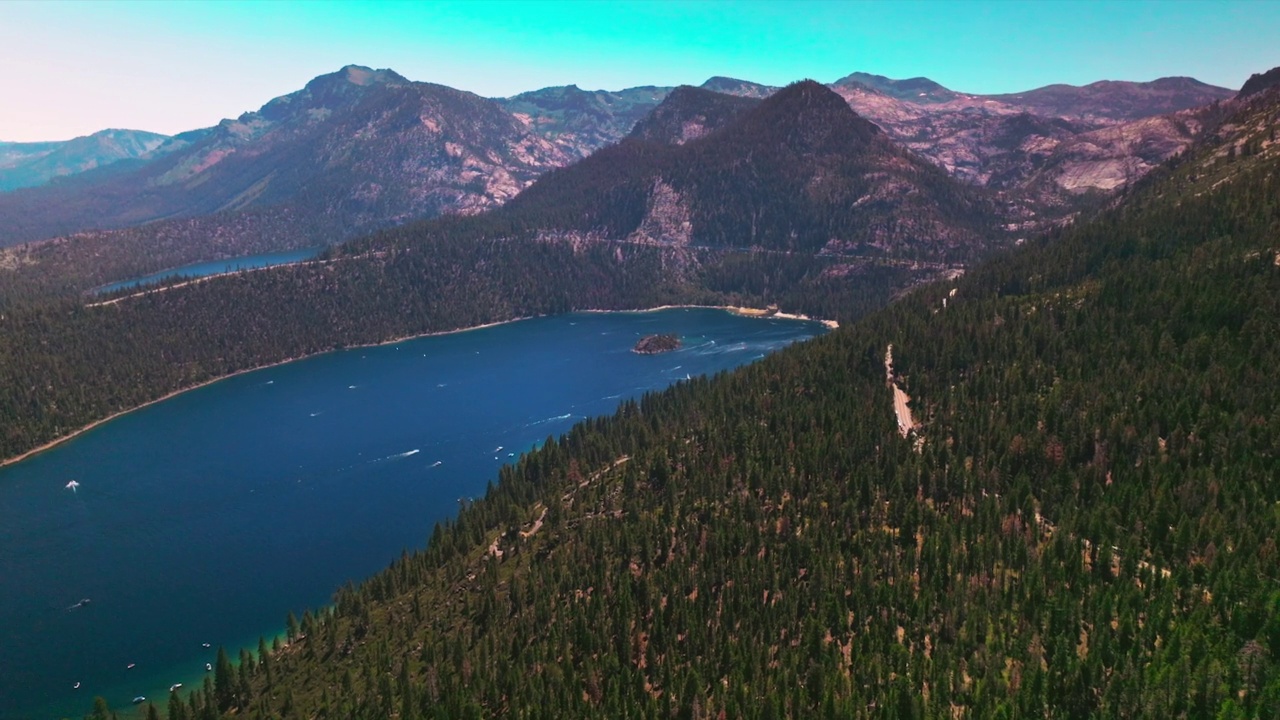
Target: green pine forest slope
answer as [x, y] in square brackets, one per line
[1084, 524]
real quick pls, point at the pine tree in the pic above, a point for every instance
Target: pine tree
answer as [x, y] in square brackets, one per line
[224, 681]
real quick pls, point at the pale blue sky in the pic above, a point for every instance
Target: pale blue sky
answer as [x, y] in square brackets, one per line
[71, 68]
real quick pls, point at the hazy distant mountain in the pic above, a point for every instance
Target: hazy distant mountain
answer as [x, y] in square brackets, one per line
[741, 88]
[30, 164]
[14, 154]
[581, 121]
[916, 90]
[1115, 101]
[357, 149]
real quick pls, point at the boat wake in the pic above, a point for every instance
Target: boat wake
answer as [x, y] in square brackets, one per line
[556, 418]
[397, 456]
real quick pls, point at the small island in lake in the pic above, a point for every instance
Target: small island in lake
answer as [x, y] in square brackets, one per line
[654, 344]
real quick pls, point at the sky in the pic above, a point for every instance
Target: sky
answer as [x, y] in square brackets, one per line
[71, 68]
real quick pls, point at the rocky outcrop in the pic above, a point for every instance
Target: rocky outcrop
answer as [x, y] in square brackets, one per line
[1259, 82]
[667, 220]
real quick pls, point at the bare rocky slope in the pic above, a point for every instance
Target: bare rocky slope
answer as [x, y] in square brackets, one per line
[1046, 150]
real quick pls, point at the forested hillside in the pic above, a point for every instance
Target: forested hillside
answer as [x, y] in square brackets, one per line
[1081, 520]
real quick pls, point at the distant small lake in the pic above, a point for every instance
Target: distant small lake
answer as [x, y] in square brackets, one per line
[214, 267]
[207, 517]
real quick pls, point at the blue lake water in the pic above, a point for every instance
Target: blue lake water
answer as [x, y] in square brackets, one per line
[214, 267]
[207, 517]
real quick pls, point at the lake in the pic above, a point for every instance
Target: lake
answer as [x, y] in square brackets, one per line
[214, 267]
[207, 517]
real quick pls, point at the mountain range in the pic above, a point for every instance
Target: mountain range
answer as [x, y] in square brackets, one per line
[362, 149]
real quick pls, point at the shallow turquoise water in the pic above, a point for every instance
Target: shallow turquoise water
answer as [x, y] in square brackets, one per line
[213, 267]
[207, 517]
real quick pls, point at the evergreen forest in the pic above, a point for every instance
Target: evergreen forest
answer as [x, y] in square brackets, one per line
[1082, 521]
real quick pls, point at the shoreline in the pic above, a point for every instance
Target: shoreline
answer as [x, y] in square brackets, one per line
[740, 311]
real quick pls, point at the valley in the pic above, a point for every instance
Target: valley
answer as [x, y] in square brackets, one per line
[1022, 463]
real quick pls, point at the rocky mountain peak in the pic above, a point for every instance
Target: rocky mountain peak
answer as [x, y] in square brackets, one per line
[808, 117]
[1260, 81]
[323, 94]
[360, 75]
[351, 80]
